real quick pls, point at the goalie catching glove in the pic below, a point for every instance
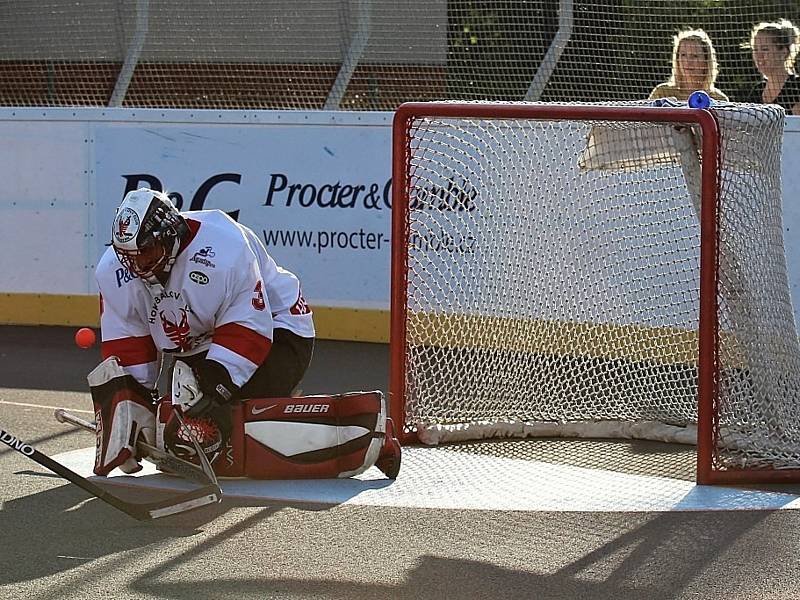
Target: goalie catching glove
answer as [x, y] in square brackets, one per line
[201, 399]
[199, 390]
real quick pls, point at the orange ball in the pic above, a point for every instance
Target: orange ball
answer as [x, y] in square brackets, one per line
[85, 337]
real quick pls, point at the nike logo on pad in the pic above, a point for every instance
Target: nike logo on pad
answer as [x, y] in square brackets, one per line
[258, 410]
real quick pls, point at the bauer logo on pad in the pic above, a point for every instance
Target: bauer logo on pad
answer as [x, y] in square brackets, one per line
[306, 408]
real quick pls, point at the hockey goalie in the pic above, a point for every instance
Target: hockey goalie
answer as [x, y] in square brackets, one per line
[199, 286]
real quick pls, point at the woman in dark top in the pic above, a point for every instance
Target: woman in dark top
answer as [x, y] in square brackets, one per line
[774, 47]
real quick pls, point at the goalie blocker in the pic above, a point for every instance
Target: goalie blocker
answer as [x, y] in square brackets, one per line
[295, 438]
[124, 413]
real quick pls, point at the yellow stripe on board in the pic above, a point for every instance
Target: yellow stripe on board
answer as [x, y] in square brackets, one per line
[351, 324]
[348, 324]
[49, 309]
[632, 342]
[662, 345]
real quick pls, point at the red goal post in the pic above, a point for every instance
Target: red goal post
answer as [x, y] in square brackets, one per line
[598, 271]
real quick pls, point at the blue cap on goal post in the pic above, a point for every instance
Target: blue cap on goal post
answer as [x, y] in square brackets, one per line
[699, 99]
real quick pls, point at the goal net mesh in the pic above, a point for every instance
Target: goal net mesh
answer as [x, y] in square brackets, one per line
[553, 283]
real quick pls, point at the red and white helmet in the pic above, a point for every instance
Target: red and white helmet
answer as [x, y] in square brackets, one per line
[146, 233]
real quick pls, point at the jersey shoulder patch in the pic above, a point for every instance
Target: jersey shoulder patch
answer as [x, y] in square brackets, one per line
[218, 244]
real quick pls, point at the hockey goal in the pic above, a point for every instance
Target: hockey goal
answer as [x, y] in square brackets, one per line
[595, 271]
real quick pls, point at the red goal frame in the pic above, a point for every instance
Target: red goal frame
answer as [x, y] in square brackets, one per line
[708, 328]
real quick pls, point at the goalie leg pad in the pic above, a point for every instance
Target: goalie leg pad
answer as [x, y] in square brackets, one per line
[123, 412]
[314, 436]
[306, 437]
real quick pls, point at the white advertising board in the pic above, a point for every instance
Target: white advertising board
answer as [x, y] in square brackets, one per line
[790, 182]
[317, 193]
[315, 186]
[44, 214]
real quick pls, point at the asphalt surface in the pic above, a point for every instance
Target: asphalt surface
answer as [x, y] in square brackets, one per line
[57, 542]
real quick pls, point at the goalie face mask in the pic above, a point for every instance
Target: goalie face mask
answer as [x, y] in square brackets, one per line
[146, 233]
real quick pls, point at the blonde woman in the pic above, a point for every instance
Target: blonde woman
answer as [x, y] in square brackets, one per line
[694, 67]
[774, 47]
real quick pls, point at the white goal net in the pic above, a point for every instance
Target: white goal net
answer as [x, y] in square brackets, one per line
[547, 278]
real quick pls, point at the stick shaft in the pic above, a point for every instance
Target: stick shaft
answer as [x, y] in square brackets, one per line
[63, 416]
[209, 494]
[68, 474]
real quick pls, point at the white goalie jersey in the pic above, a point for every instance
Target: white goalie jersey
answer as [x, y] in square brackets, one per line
[225, 295]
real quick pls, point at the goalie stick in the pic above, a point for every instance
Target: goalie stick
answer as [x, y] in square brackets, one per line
[143, 511]
[204, 474]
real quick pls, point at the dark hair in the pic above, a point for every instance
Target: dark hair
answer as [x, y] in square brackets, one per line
[783, 34]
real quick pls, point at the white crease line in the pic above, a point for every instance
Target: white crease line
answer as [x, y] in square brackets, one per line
[447, 480]
[88, 412]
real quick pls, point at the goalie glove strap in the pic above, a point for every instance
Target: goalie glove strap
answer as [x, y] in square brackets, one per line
[202, 407]
[216, 385]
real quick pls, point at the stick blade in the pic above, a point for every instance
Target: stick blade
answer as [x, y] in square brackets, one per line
[209, 493]
[198, 498]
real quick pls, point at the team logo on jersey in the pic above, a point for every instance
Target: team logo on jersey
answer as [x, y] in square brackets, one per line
[198, 277]
[123, 276]
[152, 317]
[300, 307]
[202, 256]
[258, 297]
[177, 329]
[126, 225]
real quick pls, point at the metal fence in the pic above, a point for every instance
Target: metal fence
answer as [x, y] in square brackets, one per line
[359, 54]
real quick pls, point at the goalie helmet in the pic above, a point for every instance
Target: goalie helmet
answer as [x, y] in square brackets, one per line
[146, 233]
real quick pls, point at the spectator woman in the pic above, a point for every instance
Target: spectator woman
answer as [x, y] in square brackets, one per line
[694, 67]
[774, 47]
